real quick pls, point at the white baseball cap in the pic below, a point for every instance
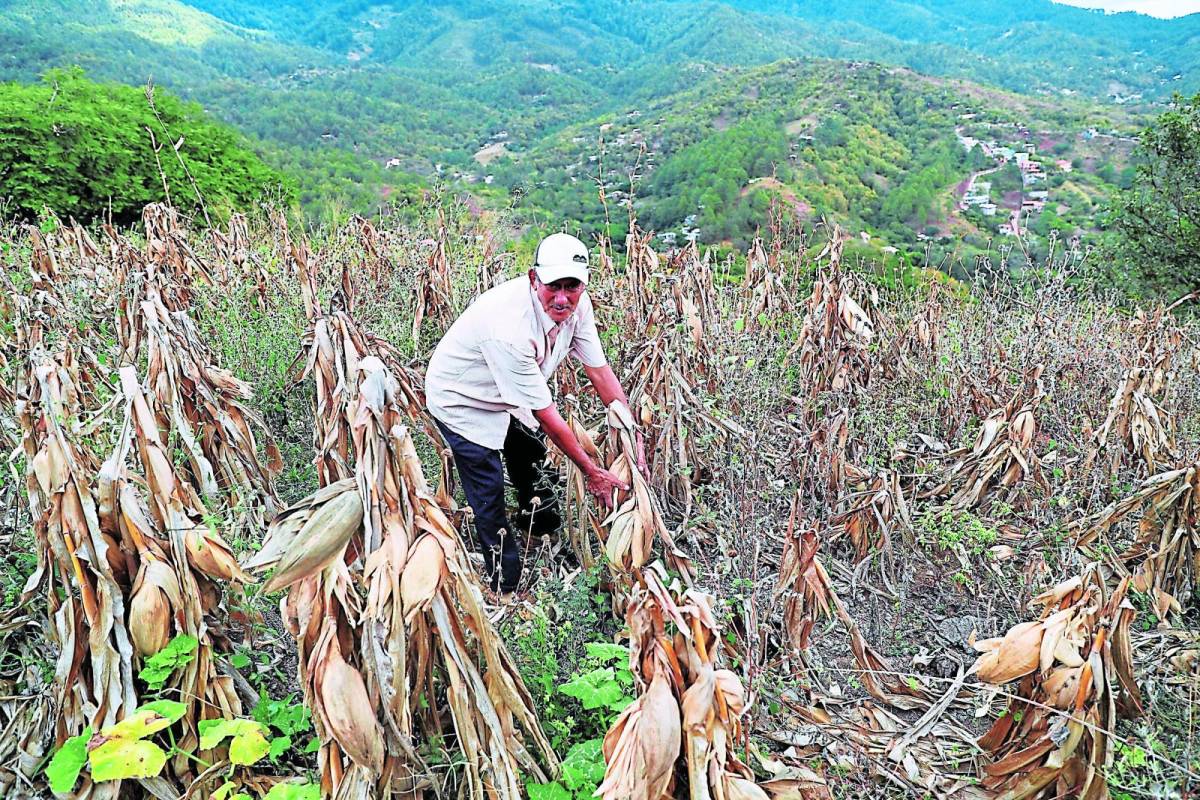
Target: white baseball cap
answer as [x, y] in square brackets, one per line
[559, 256]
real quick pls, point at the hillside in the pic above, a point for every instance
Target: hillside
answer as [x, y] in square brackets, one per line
[877, 150]
[366, 102]
[1036, 46]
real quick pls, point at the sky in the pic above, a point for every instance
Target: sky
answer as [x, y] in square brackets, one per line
[1155, 8]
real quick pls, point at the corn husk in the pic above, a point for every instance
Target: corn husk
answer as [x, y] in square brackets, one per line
[1076, 658]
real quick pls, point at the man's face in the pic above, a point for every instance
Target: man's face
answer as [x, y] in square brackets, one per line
[558, 298]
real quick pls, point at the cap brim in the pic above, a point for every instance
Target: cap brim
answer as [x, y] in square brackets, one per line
[550, 274]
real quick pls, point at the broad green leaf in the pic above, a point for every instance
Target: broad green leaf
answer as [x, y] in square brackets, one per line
[249, 740]
[63, 769]
[146, 720]
[223, 791]
[279, 746]
[171, 709]
[607, 651]
[584, 764]
[547, 791]
[620, 704]
[595, 689]
[159, 666]
[294, 791]
[118, 759]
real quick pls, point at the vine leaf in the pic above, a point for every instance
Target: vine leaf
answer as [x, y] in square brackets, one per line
[64, 768]
[249, 740]
[117, 759]
[294, 791]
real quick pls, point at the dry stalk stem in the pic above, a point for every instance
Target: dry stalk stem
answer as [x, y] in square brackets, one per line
[808, 595]
[385, 607]
[1003, 454]
[1165, 553]
[1076, 669]
[690, 709]
[1138, 422]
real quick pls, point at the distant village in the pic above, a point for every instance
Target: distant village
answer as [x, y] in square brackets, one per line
[1021, 150]
[629, 148]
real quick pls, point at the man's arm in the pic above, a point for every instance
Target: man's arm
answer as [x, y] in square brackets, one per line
[600, 482]
[609, 388]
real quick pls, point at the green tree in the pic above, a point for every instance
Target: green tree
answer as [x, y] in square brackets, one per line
[89, 150]
[1157, 220]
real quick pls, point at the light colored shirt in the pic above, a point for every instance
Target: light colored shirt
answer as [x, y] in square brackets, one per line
[495, 360]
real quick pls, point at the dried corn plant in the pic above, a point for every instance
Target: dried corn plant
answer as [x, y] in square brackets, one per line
[870, 509]
[642, 268]
[808, 596]
[1164, 554]
[664, 379]
[690, 710]
[385, 607]
[1139, 423]
[1004, 452]
[627, 536]
[914, 345]
[182, 562]
[168, 249]
[237, 266]
[206, 407]
[1076, 670]
[334, 342]
[434, 287]
[81, 563]
[131, 537]
[695, 292]
[833, 348]
[763, 294]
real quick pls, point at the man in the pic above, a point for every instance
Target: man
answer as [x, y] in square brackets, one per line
[487, 389]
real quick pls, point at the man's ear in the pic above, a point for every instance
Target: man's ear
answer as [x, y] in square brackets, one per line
[533, 277]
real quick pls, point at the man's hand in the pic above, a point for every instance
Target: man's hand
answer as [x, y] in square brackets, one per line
[639, 442]
[601, 482]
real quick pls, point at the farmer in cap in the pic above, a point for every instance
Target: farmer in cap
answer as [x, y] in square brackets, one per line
[487, 388]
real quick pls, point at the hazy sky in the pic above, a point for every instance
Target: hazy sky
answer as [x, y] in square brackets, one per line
[1155, 8]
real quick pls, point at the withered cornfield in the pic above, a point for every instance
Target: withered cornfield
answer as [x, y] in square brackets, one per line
[894, 539]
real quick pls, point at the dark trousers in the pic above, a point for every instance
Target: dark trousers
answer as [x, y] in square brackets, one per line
[482, 476]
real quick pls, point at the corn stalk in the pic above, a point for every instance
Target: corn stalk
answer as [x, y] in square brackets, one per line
[1138, 423]
[672, 415]
[1003, 454]
[835, 339]
[642, 267]
[434, 287]
[808, 597]
[689, 712]
[763, 293]
[1076, 670]
[871, 508]
[1164, 556]
[93, 677]
[385, 607]
[628, 534]
[182, 562]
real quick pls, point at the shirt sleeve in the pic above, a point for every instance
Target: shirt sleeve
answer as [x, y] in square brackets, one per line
[518, 379]
[585, 345]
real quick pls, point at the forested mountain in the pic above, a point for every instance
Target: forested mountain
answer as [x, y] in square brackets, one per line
[881, 151]
[1035, 45]
[360, 99]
